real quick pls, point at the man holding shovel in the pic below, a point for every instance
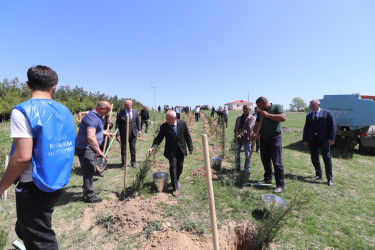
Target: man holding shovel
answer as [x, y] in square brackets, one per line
[89, 137]
[270, 141]
[176, 135]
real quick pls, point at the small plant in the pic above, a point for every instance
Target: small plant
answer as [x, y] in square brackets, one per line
[107, 221]
[150, 228]
[145, 167]
[188, 226]
[3, 239]
[273, 222]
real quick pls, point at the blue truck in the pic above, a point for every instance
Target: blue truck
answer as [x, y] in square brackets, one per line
[355, 119]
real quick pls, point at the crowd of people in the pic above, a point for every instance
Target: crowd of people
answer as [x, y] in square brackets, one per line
[45, 141]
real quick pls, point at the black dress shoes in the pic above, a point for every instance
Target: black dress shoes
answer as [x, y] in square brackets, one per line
[265, 182]
[317, 177]
[330, 183]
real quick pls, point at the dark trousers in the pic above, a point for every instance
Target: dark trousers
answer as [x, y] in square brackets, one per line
[87, 159]
[271, 152]
[212, 113]
[196, 117]
[34, 216]
[144, 122]
[314, 146]
[132, 142]
[178, 115]
[175, 168]
[257, 145]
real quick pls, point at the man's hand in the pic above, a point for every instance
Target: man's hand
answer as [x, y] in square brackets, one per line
[238, 137]
[100, 153]
[109, 120]
[107, 133]
[139, 133]
[191, 152]
[330, 142]
[150, 150]
[264, 113]
[118, 138]
[306, 144]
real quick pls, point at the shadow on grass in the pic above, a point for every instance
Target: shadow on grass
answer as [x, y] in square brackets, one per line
[307, 179]
[337, 151]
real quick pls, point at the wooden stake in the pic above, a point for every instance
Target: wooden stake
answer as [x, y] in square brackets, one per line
[211, 198]
[254, 142]
[106, 138]
[5, 193]
[126, 153]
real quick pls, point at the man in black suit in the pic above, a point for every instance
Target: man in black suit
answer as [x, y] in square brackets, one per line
[319, 133]
[176, 135]
[134, 129]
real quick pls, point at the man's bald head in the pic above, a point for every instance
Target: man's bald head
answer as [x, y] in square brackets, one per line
[128, 104]
[171, 117]
[103, 108]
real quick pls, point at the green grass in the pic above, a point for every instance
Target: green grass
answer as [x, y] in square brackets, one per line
[340, 217]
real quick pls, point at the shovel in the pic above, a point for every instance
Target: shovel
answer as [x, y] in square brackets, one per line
[99, 160]
[252, 145]
[101, 163]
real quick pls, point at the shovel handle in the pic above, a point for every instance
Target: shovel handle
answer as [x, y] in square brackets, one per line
[253, 144]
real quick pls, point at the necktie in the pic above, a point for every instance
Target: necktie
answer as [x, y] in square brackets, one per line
[174, 129]
[315, 116]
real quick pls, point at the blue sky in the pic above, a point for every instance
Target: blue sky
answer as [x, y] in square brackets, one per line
[196, 52]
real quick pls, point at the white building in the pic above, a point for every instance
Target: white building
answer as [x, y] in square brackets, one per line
[238, 104]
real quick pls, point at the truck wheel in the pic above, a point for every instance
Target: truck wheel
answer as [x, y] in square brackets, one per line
[363, 150]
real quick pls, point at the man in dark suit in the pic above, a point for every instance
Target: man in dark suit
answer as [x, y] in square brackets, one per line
[319, 133]
[176, 135]
[134, 129]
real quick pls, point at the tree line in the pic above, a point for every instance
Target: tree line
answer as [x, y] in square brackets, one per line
[76, 99]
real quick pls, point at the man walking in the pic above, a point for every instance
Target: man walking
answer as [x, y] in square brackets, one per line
[197, 113]
[90, 136]
[271, 141]
[134, 129]
[43, 133]
[144, 118]
[176, 135]
[244, 133]
[319, 133]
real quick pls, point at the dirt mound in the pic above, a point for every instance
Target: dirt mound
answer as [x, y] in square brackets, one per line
[201, 173]
[126, 218]
[232, 236]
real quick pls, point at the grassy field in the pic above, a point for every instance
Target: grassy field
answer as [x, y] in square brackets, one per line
[341, 217]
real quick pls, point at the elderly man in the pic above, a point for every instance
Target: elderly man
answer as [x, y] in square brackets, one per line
[89, 137]
[319, 133]
[134, 129]
[271, 142]
[176, 135]
[244, 133]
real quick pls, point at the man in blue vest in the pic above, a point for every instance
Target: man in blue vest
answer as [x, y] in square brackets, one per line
[43, 133]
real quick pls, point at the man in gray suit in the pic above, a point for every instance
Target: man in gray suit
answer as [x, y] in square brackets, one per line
[134, 129]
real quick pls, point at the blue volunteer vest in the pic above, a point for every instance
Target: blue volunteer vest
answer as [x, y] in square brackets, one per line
[53, 131]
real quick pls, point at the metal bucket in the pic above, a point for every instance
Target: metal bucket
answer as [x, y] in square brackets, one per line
[160, 180]
[272, 200]
[216, 162]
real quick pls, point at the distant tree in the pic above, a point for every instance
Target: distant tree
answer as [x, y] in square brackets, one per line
[298, 104]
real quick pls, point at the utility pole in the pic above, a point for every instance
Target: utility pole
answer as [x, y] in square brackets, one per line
[153, 86]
